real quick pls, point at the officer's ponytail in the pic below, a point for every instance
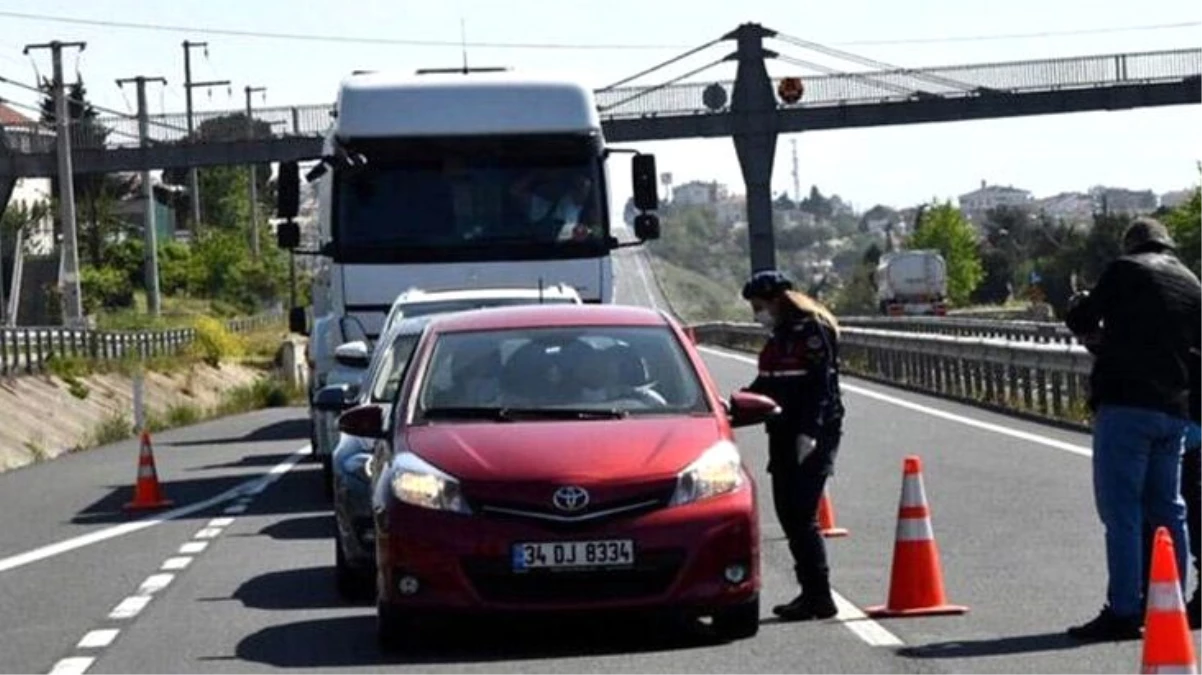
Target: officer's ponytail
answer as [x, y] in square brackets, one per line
[807, 305]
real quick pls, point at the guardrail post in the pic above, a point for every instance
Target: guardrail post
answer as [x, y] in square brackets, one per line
[28, 353]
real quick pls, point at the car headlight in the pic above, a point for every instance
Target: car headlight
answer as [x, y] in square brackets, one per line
[717, 471]
[358, 465]
[419, 483]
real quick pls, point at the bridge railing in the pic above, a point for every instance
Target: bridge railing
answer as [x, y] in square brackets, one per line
[1042, 380]
[1023, 331]
[966, 80]
[27, 350]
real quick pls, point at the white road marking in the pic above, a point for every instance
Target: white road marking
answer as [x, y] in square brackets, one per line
[194, 547]
[935, 412]
[221, 522]
[98, 638]
[76, 665]
[865, 628]
[130, 607]
[58, 548]
[155, 583]
[207, 533]
[638, 265]
[176, 563]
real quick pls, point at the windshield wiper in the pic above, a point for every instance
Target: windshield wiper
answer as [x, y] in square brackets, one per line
[511, 414]
[567, 413]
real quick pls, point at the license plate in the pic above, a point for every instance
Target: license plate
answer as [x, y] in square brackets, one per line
[572, 554]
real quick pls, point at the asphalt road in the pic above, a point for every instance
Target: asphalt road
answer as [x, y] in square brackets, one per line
[1012, 512]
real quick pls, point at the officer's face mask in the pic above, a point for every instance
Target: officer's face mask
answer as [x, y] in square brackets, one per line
[765, 318]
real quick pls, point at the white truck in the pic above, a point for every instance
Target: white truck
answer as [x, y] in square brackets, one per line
[911, 282]
[447, 180]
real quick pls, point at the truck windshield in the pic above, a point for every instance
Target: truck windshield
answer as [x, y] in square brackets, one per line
[471, 199]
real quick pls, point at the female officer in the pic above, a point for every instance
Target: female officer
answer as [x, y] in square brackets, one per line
[798, 368]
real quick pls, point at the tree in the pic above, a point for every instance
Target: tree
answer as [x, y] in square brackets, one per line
[218, 184]
[95, 193]
[944, 228]
[1185, 225]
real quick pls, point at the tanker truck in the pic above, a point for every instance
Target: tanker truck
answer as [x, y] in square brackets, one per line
[911, 283]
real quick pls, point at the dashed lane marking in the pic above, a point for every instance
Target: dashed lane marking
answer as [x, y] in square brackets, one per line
[129, 608]
[253, 486]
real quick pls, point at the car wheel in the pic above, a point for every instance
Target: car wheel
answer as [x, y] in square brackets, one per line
[327, 476]
[392, 628]
[738, 622]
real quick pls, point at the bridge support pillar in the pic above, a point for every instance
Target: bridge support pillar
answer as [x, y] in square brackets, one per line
[754, 118]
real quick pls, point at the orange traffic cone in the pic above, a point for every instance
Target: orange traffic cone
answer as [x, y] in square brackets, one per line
[826, 518]
[916, 583]
[147, 494]
[1168, 645]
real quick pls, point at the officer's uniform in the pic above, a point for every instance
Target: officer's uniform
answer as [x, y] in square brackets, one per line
[798, 368]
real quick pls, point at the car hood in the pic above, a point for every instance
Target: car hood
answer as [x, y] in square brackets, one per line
[565, 451]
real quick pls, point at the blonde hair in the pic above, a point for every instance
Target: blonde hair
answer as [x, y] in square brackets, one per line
[807, 305]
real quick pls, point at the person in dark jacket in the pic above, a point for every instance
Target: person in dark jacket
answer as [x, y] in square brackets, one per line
[799, 369]
[1141, 321]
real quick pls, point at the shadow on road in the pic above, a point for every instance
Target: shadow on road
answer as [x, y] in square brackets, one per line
[349, 641]
[1018, 644]
[250, 461]
[302, 527]
[298, 491]
[302, 588]
[284, 430]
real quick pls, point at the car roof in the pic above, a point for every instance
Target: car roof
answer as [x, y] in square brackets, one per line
[527, 316]
[416, 296]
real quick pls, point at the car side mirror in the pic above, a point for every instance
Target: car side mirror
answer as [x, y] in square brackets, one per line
[746, 409]
[366, 421]
[353, 354]
[646, 227]
[335, 398]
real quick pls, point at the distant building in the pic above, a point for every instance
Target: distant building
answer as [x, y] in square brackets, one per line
[132, 212]
[22, 134]
[1175, 198]
[1071, 207]
[698, 193]
[989, 197]
[1122, 200]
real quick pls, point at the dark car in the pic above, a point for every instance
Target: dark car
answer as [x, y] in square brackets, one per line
[570, 458]
[351, 467]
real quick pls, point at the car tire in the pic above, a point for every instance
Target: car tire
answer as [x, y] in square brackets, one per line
[738, 622]
[392, 628]
[352, 584]
[327, 476]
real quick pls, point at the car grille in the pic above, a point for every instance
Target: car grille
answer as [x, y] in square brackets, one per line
[496, 582]
[548, 516]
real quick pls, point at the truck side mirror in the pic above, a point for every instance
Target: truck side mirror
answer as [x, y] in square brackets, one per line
[287, 235]
[646, 226]
[288, 191]
[298, 321]
[645, 180]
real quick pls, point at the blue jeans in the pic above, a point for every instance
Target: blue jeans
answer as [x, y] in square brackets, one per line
[1137, 474]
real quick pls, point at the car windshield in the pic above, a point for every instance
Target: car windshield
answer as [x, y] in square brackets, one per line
[414, 309]
[391, 368]
[595, 372]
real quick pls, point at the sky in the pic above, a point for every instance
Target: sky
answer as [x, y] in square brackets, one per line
[1156, 148]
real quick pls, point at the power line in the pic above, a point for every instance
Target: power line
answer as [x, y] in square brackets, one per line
[1020, 36]
[330, 38]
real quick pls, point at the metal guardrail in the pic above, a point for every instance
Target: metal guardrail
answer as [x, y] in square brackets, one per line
[1026, 331]
[1047, 380]
[27, 350]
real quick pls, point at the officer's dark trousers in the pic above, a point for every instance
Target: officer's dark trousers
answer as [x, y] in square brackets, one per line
[1191, 491]
[796, 491]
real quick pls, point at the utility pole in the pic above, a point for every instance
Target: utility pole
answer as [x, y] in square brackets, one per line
[254, 190]
[72, 300]
[189, 85]
[151, 228]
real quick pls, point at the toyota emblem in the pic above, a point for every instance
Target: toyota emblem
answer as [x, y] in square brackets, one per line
[570, 498]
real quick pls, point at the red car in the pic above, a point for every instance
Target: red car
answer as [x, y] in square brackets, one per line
[557, 458]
